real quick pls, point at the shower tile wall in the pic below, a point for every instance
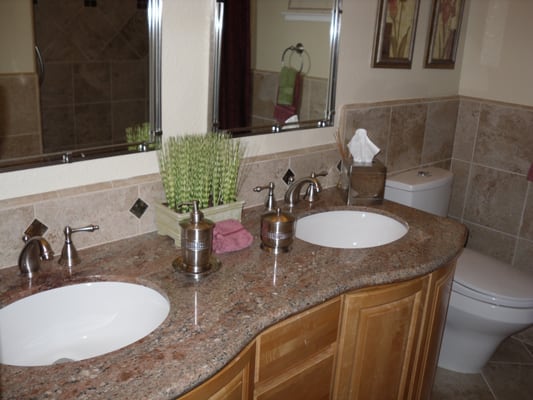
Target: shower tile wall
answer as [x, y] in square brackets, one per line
[19, 117]
[96, 70]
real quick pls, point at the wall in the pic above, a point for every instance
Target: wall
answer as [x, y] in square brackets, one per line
[274, 34]
[186, 31]
[492, 152]
[493, 144]
[497, 56]
[358, 83]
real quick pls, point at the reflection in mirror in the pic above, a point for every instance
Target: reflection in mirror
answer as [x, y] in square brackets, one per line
[275, 64]
[78, 80]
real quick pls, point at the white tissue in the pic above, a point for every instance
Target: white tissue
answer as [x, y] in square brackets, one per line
[361, 147]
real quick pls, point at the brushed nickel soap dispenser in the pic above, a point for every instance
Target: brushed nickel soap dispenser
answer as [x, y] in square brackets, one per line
[196, 244]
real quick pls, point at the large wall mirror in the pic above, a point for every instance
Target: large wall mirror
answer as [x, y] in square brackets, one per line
[275, 65]
[79, 79]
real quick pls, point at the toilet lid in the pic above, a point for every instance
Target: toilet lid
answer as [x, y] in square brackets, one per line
[491, 281]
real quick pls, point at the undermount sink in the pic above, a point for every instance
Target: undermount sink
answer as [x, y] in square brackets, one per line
[349, 229]
[77, 322]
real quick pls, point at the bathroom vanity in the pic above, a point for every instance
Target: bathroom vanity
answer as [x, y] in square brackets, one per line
[356, 324]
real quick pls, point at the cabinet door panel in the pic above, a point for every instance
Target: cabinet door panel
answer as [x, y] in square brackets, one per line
[296, 339]
[435, 319]
[233, 382]
[313, 383]
[379, 340]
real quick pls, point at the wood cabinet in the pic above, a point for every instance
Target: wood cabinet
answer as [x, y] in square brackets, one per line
[233, 382]
[295, 358]
[379, 335]
[375, 343]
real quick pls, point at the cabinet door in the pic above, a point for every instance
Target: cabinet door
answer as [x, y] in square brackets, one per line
[295, 358]
[233, 382]
[379, 341]
[439, 292]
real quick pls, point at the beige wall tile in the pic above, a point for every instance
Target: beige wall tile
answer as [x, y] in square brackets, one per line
[109, 209]
[524, 255]
[466, 129]
[14, 223]
[491, 242]
[376, 120]
[504, 138]
[440, 131]
[460, 171]
[406, 136]
[526, 230]
[495, 199]
[150, 193]
[260, 173]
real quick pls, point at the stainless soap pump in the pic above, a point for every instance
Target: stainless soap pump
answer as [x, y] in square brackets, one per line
[196, 243]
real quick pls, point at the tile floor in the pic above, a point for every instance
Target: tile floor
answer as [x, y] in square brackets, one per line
[507, 376]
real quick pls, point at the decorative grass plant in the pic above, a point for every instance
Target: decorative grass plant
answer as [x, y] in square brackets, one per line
[200, 167]
[138, 134]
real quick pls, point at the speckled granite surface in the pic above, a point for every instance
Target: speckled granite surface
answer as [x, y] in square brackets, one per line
[212, 319]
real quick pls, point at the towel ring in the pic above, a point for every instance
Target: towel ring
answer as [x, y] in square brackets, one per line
[299, 49]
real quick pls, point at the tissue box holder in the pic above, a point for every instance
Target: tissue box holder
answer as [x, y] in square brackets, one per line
[366, 183]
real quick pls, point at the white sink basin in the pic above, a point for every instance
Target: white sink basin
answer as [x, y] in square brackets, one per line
[349, 229]
[76, 322]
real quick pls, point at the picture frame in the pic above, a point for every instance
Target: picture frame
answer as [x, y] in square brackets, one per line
[394, 38]
[443, 39]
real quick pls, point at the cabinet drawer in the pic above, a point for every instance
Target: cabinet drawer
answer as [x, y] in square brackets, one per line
[297, 339]
[314, 383]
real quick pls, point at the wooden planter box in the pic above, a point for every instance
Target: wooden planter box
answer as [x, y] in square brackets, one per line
[167, 220]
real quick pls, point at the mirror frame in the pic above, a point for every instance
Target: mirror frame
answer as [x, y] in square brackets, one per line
[154, 15]
[329, 112]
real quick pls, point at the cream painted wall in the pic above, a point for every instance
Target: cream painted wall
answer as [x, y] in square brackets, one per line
[16, 36]
[358, 82]
[498, 57]
[186, 41]
[273, 33]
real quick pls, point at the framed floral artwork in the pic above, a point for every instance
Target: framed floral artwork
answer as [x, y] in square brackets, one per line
[395, 33]
[444, 33]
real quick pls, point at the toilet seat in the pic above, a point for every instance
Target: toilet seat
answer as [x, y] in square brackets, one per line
[491, 281]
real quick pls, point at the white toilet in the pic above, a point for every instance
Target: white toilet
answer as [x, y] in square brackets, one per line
[490, 300]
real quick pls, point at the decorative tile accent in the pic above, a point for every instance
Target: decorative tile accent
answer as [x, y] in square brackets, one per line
[138, 208]
[288, 177]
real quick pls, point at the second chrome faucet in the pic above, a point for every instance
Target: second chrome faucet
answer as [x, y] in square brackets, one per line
[292, 196]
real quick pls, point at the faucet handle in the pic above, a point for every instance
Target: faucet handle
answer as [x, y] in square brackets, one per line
[317, 174]
[270, 202]
[69, 254]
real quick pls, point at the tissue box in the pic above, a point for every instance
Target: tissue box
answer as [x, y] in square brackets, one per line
[366, 183]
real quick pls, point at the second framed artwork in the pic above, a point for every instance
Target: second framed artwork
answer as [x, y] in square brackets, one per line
[444, 33]
[395, 33]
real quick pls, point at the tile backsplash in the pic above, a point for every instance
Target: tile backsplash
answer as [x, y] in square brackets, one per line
[486, 144]
[492, 153]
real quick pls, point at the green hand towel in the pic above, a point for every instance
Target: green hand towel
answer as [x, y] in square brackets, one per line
[287, 79]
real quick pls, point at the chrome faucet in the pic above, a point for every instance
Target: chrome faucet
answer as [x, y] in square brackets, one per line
[69, 254]
[36, 249]
[292, 195]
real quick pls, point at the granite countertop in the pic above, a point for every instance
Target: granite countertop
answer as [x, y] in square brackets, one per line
[212, 319]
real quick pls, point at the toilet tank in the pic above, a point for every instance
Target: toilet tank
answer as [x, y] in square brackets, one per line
[427, 189]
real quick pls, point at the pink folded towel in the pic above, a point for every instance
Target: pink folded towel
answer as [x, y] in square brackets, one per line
[530, 173]
[230, 235]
